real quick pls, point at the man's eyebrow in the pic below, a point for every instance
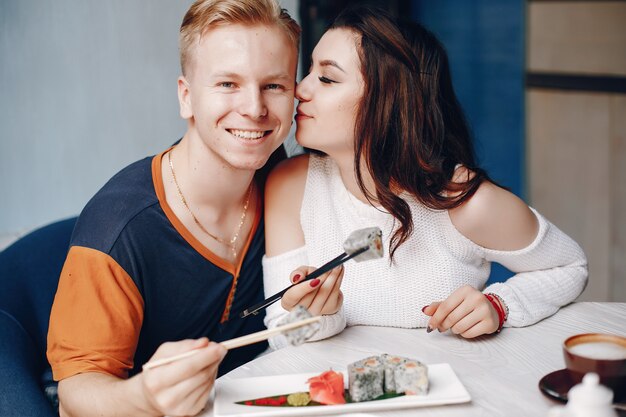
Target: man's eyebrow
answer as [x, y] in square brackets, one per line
[332, 63]
[230, 74]
[226, 74]
[279, 76]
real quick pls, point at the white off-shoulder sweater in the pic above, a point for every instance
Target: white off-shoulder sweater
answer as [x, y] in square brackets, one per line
[435, 260]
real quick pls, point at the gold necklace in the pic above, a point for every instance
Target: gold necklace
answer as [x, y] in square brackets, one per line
[233, 241]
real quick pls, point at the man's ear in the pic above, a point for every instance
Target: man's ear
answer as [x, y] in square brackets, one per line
[184, 98]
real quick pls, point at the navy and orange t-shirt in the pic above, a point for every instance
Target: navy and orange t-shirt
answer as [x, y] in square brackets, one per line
[135, 278]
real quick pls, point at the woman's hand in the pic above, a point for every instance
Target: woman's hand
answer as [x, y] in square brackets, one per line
[320, 295]
[183, 387]
[466, 312]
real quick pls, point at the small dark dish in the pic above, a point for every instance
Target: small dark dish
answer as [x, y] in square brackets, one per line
[556, 385]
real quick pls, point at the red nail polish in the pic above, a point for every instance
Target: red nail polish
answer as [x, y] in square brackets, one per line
[296, 278]
[424, 308]
[315, 282]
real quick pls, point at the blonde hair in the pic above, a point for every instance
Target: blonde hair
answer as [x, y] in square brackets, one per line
[206, 14]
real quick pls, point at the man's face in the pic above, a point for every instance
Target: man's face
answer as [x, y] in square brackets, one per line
[238, 94]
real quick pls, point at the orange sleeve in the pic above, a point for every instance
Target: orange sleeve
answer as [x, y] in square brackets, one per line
[96, 317]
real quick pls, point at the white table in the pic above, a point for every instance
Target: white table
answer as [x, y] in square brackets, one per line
[501, 372]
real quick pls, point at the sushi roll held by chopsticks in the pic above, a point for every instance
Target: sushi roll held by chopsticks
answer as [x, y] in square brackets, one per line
[298, 326]
[299, 335]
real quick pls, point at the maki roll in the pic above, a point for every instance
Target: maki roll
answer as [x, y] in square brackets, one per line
[365, 379]
[390, 363]
[370, 238]
[411, 378]
[299, 335]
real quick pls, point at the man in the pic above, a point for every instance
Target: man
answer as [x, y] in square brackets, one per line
[170, 248]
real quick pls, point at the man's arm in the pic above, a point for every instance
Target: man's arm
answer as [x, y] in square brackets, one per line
[101, 394]
[177, 389]
[95, 323]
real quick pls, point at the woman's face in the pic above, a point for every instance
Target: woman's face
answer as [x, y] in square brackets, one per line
[329, 95]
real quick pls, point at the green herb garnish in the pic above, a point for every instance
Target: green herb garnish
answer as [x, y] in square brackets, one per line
[282, 400]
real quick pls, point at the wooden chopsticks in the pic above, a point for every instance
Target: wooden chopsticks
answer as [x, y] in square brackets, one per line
[237, 342]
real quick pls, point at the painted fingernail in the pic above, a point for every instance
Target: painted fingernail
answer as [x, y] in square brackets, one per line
[296, 278]
[429, 329]
[424, 308]
[315, 282]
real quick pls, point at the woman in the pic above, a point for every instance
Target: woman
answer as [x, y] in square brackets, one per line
[379, 104]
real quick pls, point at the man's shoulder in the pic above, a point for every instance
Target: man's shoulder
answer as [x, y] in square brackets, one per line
[125, 196]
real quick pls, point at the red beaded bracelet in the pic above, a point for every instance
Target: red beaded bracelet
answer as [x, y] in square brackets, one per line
[496, 305]
[503, 305]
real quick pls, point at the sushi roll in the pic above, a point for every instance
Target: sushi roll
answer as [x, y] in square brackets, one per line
[299, 335]
[370, 238]
[411, 378]
[391, 362]
[365, 379]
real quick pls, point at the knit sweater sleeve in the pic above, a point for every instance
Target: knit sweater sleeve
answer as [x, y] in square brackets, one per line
[276, 272]
[550, 272]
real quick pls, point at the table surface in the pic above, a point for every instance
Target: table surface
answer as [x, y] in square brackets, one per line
[501, 372]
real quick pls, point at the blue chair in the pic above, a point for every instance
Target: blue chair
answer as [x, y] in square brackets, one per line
[29, 274]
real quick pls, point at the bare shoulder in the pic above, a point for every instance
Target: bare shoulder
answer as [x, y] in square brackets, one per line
[495, 218]
[284, 191]
[289, 173]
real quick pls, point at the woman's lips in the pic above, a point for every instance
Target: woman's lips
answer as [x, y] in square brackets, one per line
[300, 115]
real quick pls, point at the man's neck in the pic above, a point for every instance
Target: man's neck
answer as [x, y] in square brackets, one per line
[213, 200]
[209, 181]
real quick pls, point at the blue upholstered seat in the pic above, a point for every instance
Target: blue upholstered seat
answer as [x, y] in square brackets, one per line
[29, 273]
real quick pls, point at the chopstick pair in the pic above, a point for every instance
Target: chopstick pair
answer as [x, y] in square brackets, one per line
[318, 272]
[237, 342]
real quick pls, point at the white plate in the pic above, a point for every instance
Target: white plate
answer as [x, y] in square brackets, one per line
[445, 388]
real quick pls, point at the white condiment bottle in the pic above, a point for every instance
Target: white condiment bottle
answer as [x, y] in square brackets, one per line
[588, 399]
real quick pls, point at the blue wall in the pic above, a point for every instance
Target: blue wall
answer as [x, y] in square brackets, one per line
[485, 44]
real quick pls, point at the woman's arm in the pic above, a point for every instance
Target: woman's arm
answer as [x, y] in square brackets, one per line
[286, 254]
[284, 191]
[551, 268]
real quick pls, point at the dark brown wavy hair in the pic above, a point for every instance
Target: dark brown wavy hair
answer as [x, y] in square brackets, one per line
[410, 129]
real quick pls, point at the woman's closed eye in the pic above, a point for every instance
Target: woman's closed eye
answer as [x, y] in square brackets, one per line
[326, 80]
